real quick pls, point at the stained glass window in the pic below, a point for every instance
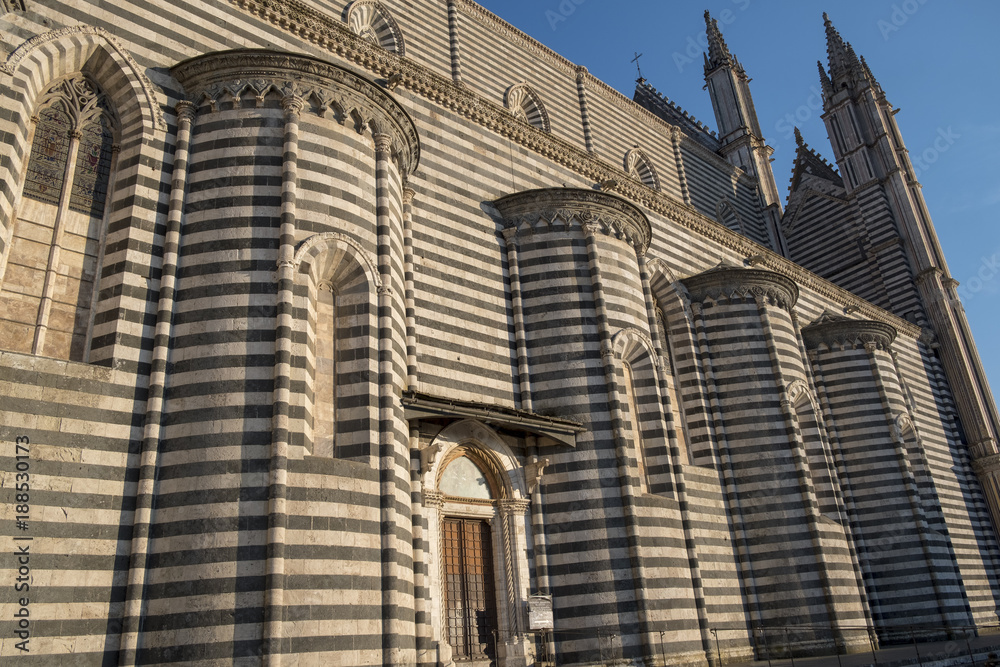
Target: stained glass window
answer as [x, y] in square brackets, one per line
[49, 152]
[93, 165]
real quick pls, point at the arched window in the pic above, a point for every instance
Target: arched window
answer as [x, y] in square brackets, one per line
[49, 283]
[638, 165]
[634, 418]
[914, 462]
[644, 427]
[673, 392]
[371, 20]
[820, 461]
[525, 105]
[335, 360]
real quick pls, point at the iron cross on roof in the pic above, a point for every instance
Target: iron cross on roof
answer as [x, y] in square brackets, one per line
[636, 61]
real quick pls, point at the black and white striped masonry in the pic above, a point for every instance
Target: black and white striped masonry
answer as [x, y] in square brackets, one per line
[344, 330]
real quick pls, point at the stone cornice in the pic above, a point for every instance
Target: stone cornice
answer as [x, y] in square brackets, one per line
[333, 36]
[616, 216]
[497, 25]
[726, 282]
[235, 72]
[836, 332]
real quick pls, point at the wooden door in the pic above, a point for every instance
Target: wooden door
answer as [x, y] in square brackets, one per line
[470, 603]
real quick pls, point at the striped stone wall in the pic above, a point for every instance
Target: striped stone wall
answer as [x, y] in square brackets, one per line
[329, 269]
[79, 428]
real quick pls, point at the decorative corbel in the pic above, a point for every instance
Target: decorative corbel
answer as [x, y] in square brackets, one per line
[429, 455]
[393, 81]
[533, 473]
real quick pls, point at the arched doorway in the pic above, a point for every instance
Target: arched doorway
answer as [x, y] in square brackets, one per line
[479, 531]
[469, 584]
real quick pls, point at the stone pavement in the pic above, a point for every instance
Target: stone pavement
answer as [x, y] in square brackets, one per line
[973, 651]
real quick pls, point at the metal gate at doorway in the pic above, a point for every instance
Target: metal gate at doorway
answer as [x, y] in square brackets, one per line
[470, 602]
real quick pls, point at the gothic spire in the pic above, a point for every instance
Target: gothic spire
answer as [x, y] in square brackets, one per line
[843, 61]
[718, 52]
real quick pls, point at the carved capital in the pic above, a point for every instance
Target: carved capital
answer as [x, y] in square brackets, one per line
[408, 195]
[932, 273]
[186, 111]
[985, 456]
[513, 507]
[383, 143]
[929, 338]
[292, 104]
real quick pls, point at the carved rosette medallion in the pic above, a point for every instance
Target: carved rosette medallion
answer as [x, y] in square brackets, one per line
[256, 73]
[725, 283]
[837, 331]
[550, 206]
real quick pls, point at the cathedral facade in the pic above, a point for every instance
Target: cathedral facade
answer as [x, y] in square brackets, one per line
[406, 341]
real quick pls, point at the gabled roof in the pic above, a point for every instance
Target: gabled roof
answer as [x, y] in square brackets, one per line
[808, 161]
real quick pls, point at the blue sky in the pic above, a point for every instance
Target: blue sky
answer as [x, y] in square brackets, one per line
[934, 59]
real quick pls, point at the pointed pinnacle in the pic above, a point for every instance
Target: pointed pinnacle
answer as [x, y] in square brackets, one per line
[799, 141]
[868, 73]
[824, 79]
[718, 52]
[855, 63]
[837, 51]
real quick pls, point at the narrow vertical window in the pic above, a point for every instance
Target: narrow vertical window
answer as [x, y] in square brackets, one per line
[635, 426]
[677, 411]
[325, 388]
[674, 393]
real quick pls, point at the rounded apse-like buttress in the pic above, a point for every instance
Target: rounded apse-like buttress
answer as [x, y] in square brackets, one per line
[289, 276]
